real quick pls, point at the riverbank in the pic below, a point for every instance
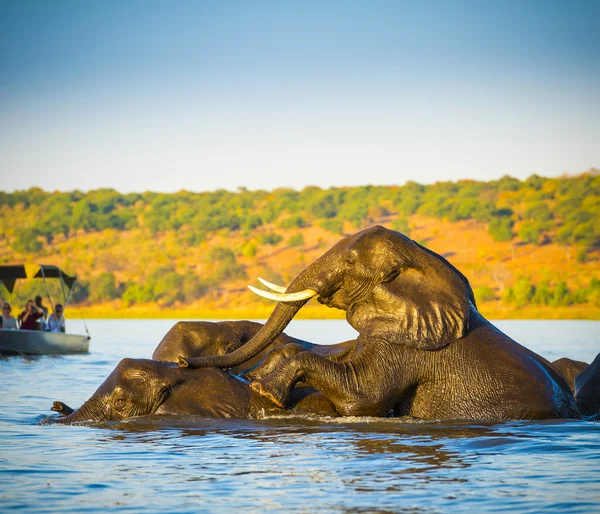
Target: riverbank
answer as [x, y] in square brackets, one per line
[489, 310]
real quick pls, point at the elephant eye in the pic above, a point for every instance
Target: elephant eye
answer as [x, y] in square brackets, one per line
[349, 261]
[392, 274]
[119, 403]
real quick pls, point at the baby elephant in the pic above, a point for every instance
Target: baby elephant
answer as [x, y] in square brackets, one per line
[140, 387]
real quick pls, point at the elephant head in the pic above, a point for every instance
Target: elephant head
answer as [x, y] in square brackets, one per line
[390, 287]
[136, 387]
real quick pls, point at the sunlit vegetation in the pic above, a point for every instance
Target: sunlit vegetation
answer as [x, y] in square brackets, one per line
[179, 249]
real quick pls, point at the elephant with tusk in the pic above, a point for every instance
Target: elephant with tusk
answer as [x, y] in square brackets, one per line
[423, 348]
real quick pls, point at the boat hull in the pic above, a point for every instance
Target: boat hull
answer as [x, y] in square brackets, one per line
[36, 342]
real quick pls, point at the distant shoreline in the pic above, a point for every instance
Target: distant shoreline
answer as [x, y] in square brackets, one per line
[490, 311]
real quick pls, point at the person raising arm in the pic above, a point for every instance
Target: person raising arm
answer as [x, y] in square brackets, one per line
[30, 315]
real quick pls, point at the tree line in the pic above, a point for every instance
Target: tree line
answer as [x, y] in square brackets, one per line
[535, 211]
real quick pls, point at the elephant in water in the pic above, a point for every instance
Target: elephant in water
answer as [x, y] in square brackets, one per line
[587, 389]
[206, 338]
[569, 369]
[423, 348]
[140, 387]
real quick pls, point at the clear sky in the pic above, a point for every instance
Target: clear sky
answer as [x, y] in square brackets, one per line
[163, 96]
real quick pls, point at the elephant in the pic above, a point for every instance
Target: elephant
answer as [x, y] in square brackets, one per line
[587, 389]
[140, 387]
[423, 348]
[205, 338]
[569, 369]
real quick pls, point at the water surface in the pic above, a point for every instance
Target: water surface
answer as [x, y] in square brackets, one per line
[296, 465]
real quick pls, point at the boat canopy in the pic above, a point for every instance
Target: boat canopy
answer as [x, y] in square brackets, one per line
[11, 273]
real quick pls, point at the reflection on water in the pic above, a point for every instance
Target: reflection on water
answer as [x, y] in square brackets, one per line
[296, 464]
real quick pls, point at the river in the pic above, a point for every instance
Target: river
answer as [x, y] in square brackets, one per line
[293, 465]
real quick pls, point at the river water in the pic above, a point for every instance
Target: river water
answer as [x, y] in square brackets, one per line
[291, 465]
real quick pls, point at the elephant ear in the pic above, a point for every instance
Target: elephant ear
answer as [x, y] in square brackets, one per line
[449, 265]
[427, 306]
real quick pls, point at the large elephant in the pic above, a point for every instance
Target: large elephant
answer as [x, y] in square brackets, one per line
[423, 348]
[140, 387]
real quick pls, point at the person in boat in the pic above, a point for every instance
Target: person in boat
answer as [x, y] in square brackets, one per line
[28, 318]
[41, 321]
[56, 321]
[7, 320]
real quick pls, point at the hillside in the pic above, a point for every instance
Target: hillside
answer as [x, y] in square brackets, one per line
[530, 248]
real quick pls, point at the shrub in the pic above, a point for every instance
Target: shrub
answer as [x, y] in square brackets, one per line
[500, 228]
[249, 250]
[335, 226]
[484, 294]
[294, 221]
[542, 294]
[296, 240]
[27, 241]
[530, 232]
[523, 291]
[253, 221]
[227, 267]
[137, 293]
[401, 225]
[103, 288]
[269, 239]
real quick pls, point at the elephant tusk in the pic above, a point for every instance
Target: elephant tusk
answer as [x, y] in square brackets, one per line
[287, 297]
[273, 287]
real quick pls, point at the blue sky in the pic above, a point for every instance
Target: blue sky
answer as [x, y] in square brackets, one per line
[148, 95]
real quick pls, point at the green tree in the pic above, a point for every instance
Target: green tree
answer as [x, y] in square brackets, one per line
[138, 293]
[523, 292]
[227, 266]
[27, 242]
[500, 228]
[335, 226]
[269, 239]
[251, 222]
[401, 225]
[103, 288]
[530, 232]
[561, 296]
[168, 287]
[542, 295]
[484, 294]
[294, 221]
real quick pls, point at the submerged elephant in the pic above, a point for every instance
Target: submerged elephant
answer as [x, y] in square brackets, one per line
[587, 389]
[569, 369]
[423, 348]
[207, 338]
[140, 387]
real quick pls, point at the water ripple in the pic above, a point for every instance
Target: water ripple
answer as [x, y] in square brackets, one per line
[167, 464]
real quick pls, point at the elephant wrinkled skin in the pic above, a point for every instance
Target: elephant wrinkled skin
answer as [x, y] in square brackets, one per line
[423, 348]
[569, 369]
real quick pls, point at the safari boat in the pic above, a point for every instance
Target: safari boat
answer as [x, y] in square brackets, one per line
[39, 342]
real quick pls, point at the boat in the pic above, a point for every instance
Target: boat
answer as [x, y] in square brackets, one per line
[39, 342]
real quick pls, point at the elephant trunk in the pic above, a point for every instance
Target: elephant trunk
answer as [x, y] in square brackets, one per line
[312, 277]
[89, 411]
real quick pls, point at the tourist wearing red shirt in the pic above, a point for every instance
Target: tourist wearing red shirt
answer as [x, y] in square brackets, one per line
[30, 315]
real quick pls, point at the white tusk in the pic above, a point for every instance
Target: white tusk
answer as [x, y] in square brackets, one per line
[273, 287]
[288, 297]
